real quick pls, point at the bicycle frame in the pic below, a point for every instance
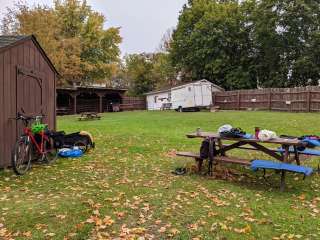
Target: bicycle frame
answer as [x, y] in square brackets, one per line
[40, 147]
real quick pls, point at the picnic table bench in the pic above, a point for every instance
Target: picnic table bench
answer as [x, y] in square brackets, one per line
[282, 154]
[89, 116]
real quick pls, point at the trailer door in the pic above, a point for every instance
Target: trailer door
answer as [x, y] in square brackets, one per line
[206, 95]
[198, 100]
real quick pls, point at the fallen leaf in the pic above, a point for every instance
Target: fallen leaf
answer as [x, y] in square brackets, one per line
[247, 229]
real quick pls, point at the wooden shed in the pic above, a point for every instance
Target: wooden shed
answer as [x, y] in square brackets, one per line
[28, 82]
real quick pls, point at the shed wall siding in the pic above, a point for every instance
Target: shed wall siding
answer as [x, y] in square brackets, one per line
[2, 106]
[28, 56]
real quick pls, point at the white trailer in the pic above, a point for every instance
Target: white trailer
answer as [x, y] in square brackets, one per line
[158, 99]
[193, 96]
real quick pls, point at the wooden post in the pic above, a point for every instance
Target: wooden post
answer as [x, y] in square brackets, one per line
[309, 101]
[238, 101]
[283, 181]
[101, 95]
[74, 96]
[213, 99]
[296, 155]
[269, 100]
[286, 159]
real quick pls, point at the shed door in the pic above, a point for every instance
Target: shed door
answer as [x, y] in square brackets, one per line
[29, 94]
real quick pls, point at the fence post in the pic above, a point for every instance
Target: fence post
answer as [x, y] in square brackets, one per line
[213, 99]
[238, 100]
[309, 101]
[269, 100]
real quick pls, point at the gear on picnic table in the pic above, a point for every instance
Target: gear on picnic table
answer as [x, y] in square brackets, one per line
[233, 133]
[265, 135]
[224, 128]
[311, 141]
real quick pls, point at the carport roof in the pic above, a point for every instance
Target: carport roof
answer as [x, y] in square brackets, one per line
[74, 89]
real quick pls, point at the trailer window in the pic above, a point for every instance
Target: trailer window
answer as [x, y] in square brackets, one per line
[189, 89]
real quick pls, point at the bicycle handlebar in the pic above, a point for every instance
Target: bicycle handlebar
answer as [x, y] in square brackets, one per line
[26, 118]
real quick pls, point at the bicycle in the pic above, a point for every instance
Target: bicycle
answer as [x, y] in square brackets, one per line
[35, 141]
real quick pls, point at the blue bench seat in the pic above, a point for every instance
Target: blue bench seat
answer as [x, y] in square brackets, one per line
[263, 164]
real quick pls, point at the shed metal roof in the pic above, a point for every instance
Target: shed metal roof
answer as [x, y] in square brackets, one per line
[6, 40]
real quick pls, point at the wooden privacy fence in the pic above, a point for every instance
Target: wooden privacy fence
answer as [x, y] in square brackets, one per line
[302, 99]
[133, 103]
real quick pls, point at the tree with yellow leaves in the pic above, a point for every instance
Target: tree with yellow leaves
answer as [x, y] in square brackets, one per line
[73, 36]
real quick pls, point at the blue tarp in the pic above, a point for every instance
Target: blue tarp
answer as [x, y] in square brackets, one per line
[263, 164]
[248, 136]
[307, 151]
[311, 142]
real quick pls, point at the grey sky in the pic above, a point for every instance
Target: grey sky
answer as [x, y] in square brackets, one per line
[142, 22]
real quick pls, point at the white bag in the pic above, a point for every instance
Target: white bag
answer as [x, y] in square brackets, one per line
[224, 128]
[265, 135]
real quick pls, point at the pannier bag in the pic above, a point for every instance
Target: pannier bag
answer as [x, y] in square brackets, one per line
[206, 149]
[83, 140]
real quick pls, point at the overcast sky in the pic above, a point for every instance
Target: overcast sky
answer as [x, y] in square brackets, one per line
[142, 22]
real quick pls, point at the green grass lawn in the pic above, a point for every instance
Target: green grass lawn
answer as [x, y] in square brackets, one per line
[124, 189]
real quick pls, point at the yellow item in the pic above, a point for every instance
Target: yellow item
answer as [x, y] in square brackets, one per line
[84, 133]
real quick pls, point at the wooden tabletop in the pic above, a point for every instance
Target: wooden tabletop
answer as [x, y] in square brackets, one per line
[282, 141]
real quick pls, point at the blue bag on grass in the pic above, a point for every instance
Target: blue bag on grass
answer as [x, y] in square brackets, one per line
[70, 153]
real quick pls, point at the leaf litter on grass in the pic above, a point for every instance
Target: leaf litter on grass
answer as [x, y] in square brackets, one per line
[125, 190]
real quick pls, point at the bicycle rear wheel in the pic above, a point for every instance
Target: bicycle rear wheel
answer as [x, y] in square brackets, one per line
[82, 146]
[51, 152]
[22, 155]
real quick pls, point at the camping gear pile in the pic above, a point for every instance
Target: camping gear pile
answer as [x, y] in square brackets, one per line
[227, 131]
[74, 144]
[230, 132]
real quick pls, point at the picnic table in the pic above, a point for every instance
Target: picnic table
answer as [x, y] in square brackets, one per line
[288, 147]
[89, 116]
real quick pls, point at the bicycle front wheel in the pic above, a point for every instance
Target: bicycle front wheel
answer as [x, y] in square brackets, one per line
[22, 155]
